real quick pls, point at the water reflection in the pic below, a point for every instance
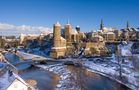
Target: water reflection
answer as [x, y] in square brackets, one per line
[87, 80]
[45, 80]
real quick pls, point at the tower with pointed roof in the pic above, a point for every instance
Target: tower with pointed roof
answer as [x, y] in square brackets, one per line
[127, 26]
[101, 25]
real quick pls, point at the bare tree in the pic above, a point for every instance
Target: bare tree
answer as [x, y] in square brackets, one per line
[119, 57]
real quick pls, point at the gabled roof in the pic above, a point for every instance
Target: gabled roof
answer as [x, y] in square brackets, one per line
[6, 80]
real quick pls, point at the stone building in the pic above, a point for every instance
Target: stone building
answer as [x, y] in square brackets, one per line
[97, 38]
[137, 34]
[109, 36]
[12, 81]
[125, 35]
[67, 33]
[67, 44]
[27, 37]
[73, 41]
[117, 34]
[59, 43]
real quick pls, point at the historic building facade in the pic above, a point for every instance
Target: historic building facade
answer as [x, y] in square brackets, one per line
[59, 43]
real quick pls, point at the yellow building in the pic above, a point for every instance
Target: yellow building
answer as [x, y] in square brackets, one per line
[93, 48]
[67, 34]
[117, 34]
[72, 42]
[109, 36]
[97, 38]
[59, 43]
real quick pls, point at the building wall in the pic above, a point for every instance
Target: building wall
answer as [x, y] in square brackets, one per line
[117, 34]
[58, 52]
[59, 43]
[68, 31]
[109, 37]
[17, 85]
[57, 35]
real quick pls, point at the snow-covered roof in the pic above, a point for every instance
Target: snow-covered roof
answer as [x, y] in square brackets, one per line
[27, 56]
[57, 24]
[58, 47]
[63, 39]
[77, 26]
[6, 80]
[108, 28]
[31, 35]
[74, 32]
[109, 33]
[68, 24]
[98, 36]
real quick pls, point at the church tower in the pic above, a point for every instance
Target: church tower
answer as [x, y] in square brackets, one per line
[127, 26]
[101, 25]
[56, 34]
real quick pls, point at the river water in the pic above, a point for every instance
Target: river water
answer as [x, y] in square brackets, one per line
[87, 80]
[46, 80]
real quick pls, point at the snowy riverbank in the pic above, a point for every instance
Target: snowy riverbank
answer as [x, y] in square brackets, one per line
[112, 72]
[66, 76]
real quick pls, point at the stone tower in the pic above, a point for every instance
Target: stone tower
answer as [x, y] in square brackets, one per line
[56, 34]
[78, 36]
[78, 29]
[68, 31]
[59, 43]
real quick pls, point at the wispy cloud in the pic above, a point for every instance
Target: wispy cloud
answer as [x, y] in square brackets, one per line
[23, 28]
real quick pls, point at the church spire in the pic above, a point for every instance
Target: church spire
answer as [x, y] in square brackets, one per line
[101, 25]
[127, 25]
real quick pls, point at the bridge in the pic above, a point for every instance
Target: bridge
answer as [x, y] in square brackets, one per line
[31, 59]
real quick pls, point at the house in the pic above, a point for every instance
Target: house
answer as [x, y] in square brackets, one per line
[11, 81]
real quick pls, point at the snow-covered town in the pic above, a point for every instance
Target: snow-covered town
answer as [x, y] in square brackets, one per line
[66, 56]
[72, 66]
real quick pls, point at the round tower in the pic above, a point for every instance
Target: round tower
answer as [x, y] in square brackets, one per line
[57, 34]
[78, 29]
[68, 31]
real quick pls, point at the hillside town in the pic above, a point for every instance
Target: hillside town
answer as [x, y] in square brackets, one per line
[69, 53]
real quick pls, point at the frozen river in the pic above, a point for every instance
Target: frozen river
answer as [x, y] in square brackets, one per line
[85, 79]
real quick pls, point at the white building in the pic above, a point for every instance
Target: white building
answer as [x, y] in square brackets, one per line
[11, 81]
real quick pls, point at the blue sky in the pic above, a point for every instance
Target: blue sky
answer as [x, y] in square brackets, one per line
[85, 13]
